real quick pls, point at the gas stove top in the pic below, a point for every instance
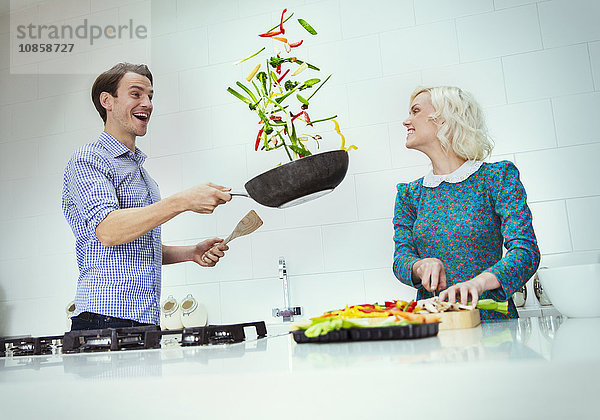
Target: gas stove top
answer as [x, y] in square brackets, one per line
[135, 338]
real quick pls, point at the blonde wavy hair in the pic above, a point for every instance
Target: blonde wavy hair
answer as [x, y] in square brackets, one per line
[464, 129]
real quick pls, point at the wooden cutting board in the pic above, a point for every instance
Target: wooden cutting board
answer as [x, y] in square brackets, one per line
[458, 319]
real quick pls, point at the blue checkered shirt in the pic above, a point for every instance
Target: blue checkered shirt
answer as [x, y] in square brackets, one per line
[122, 280]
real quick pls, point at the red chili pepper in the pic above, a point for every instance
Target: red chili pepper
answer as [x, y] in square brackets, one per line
[258, 140]
[293, 118]
[270, 34]
[411, 306]
[283, 75]
[296, 44]
[275, 118]
[281, 21]
[306, 118]
[391, 304]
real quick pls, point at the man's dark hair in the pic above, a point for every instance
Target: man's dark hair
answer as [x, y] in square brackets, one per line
[109, 82]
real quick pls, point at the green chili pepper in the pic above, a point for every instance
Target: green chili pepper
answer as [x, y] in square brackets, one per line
[306, 26]
[301, 99]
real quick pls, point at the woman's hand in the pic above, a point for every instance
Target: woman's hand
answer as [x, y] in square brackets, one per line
[471, 290]
[431, 272]
[207, 253]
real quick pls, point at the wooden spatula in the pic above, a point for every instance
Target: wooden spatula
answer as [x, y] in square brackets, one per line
[247, 225]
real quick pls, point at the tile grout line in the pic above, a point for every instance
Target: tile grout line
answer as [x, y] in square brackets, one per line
[566, 207]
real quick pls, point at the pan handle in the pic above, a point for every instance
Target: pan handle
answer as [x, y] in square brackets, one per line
[238, 192]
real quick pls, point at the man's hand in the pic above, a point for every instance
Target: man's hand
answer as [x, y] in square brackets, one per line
[204, 198]
[207, 253]
[431, 272]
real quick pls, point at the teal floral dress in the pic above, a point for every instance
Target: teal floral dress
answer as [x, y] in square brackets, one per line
[464, 221]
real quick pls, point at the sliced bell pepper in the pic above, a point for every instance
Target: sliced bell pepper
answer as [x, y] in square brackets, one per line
[270, 34]
[281, 21]
[283, 75]
[258, 140]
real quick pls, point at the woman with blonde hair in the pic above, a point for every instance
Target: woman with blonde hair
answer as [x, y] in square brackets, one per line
[450, 225]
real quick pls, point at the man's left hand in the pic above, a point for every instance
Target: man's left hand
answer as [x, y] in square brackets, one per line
[207, 253]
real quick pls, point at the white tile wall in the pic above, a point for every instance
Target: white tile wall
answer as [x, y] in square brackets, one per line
[376, 191]
[18, 159]
[566, 22]
[594, 48]
[6, 208]
[207, 86]
[551, 226]
[340, 58]
[191, 51]
[335, 291]
[503, 4]
[357, 246]
[302, 249]
[17, 87]
[522, 127]
[28, 192]
[324, 16]
[5, 123]
[567, 172]
[252, 300]
[236, 265]
[163, 17]
[361, 18]
[194, 13]
[533, 65]
[484, 79]
[583, 219]
[59, 84]
[189, 226]
[552, 72]
[382, 285]
[479, 36]
[336, 207]
[374, 148]
[181, 132]
[434, 10]
[378, 101]
[166, 94]
[48, 114]
[54, 236]
[419, 47]
[572, 118]
[55, 150]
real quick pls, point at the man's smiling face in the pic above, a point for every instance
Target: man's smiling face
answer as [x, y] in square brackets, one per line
[129, 111]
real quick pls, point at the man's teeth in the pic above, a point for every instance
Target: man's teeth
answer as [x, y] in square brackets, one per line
[141, 115]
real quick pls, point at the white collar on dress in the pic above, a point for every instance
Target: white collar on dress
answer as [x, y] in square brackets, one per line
[466, 170]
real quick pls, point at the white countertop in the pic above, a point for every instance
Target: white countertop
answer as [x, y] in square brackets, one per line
[527, 368]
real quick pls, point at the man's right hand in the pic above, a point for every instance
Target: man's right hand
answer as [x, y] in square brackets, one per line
[431, 272]
[204, 198]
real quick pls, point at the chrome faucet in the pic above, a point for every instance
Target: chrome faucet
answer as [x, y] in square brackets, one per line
[288, 311]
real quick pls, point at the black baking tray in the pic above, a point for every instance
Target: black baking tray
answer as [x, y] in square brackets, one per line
[403, 332]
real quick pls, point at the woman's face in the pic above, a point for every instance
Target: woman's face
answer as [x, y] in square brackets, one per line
[422, 132]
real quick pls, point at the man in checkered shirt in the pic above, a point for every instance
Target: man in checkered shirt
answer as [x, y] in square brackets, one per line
[115, 211]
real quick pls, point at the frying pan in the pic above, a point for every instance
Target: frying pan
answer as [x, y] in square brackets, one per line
[299, 181]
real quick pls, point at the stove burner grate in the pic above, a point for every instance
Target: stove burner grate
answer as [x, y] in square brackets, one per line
[30, 346]
[134, 338]
[111, 339]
